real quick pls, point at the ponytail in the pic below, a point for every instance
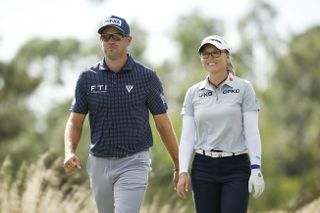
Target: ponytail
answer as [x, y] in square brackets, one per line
[230, 68]
[229, 65]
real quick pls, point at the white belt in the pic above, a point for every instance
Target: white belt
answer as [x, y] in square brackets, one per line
[215, 154]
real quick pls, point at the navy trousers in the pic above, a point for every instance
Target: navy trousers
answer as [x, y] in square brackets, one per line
[220, 185]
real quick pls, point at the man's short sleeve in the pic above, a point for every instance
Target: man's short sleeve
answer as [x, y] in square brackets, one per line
[80, 103]
[156, 101]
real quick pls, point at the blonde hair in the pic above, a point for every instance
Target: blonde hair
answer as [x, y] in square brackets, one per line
[229, 64]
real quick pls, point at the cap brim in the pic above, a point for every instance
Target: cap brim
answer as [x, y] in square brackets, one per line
[214, 43]
[110, 25]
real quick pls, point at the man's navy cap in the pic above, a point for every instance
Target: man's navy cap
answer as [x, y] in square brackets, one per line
[117, 22]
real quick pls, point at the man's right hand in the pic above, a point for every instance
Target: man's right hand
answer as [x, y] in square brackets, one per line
[71, 162]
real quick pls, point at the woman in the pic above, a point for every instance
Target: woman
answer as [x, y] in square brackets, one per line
[220, 125]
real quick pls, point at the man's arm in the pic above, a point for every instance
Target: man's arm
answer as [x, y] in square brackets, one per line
[169, 139]
[72, 136]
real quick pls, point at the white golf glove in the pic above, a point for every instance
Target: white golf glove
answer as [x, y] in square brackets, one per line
[256, 183]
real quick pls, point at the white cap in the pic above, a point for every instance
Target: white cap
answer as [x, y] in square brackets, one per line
[216, 41]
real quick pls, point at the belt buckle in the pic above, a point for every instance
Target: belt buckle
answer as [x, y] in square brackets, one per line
[211, 154]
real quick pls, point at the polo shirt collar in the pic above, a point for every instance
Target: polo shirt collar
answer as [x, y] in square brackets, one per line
[229, 82]
[128, 66]
[206, 85]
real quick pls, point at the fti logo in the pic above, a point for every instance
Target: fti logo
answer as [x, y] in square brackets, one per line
[99, 88]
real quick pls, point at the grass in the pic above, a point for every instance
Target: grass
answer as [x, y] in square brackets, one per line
[43, 187]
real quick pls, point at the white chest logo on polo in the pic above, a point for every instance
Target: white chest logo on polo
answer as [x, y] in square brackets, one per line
[98, 88]
[129, 88]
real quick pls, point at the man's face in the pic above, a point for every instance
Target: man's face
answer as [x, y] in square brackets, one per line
[114, 43]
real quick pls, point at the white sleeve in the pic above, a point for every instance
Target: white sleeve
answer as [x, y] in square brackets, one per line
[252, 136]
[186, 142]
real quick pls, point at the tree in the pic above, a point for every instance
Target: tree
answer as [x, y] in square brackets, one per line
[139, 44]
[296, 91]
[15, 86]
[259, 41]
[36, 61]
[47, 56]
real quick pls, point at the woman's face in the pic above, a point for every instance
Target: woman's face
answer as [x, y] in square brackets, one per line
[213, 59]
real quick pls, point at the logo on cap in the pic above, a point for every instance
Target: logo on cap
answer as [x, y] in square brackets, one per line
[114, 21]
[212, 39]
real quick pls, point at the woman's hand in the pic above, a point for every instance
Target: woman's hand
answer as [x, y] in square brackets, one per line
[183, 184]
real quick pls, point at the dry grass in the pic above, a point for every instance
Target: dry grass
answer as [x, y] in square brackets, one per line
[312, 207]
[43, 187]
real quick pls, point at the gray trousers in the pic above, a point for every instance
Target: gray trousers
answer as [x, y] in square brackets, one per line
[119, 185]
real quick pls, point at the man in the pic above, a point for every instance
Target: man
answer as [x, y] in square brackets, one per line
[118, 93]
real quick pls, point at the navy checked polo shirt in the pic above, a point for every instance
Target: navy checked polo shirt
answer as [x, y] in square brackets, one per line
[118, 105]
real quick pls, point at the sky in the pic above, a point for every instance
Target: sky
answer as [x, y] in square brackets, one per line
[21, 20]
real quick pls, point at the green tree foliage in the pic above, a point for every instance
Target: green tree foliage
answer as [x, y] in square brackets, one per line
[15, 86]
[17, 121]
[259, 41]
[19, 137]
[296, 92]
[42, 52]
[139, 44]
